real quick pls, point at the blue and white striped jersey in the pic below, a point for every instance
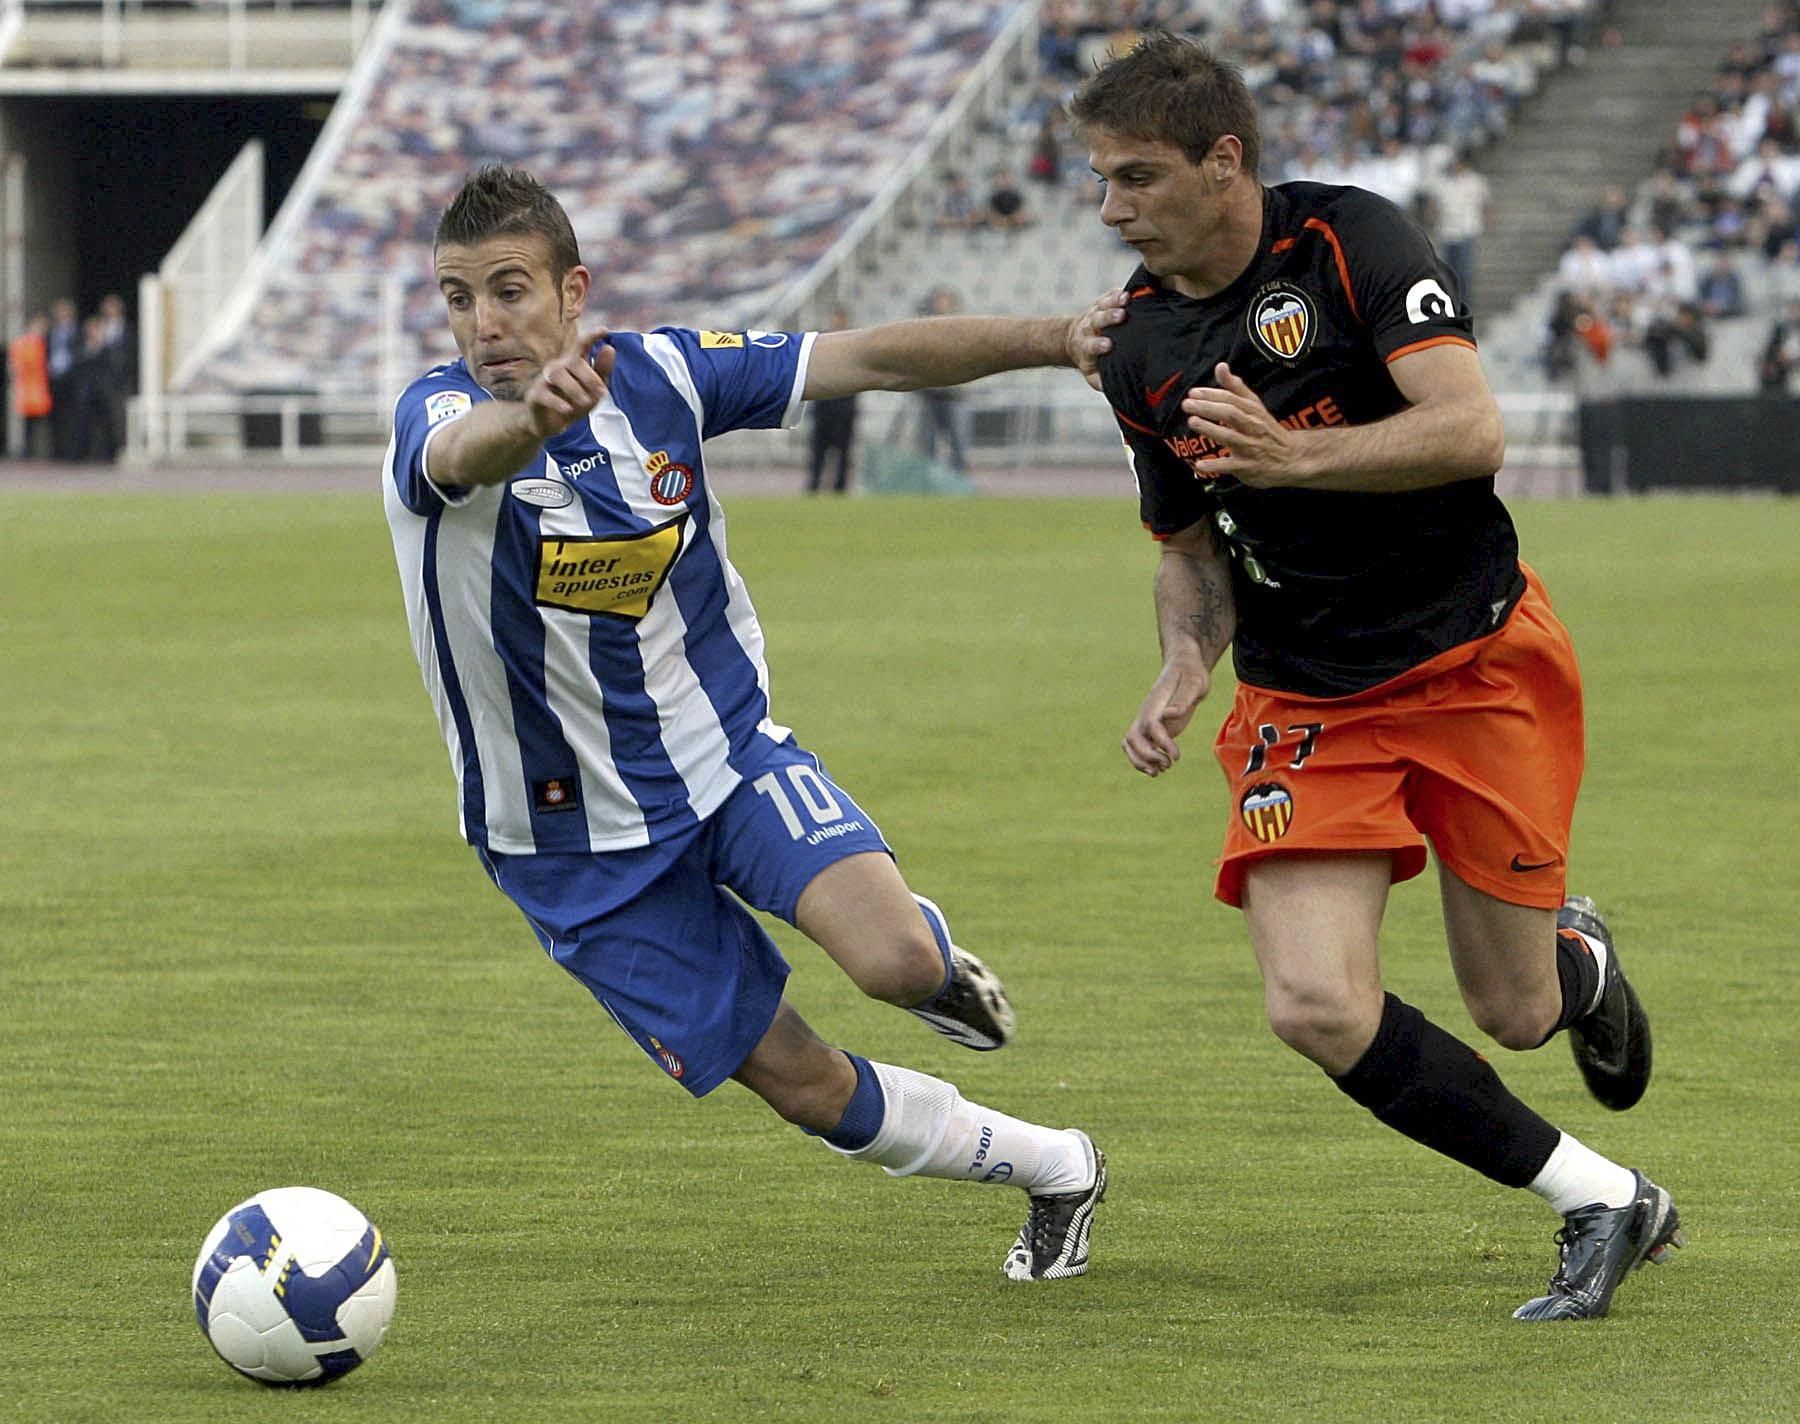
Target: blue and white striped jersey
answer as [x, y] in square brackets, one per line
[593, 657]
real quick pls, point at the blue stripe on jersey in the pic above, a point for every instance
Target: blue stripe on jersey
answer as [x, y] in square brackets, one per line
[635, 729]
[727, 674]
[633, 725]
[474, 793]
[519, 639]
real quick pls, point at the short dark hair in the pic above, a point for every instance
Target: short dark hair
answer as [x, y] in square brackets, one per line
[1171, 90]
[499, 200]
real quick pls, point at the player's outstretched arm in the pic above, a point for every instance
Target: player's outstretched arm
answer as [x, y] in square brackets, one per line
[1195, 619]
[494, 441]
[929, 352]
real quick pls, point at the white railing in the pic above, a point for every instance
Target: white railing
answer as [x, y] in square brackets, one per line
[340, 314]
[181, 300]
[108, 32]
[12, 17]
[1037, 419]
[278, 241]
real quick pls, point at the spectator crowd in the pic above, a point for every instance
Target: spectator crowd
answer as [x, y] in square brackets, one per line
[707, 152]
[1392, 95]
[1712, 236]
[68, 378]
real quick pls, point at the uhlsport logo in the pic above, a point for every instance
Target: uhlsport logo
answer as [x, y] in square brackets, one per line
[1281, 321]
[1268, 810]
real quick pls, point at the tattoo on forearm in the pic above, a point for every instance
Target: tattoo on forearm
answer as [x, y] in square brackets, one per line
[1207, 622]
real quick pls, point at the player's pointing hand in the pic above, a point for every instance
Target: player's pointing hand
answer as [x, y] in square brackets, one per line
[572, 383]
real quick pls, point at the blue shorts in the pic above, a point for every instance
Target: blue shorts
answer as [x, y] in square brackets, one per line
[660, 935]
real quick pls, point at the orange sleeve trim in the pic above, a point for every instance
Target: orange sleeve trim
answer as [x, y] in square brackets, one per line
[1137, 292]
[1125, 419]
[1337, 250]
[1160, 538]
[1411, 347]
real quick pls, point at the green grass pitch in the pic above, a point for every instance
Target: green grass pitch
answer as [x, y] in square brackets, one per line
[241, 946]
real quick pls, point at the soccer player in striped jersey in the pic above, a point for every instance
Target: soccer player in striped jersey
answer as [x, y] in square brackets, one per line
[1314, 444]
[597, 671]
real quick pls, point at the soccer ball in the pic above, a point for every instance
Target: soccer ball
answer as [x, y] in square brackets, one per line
[294, 1286]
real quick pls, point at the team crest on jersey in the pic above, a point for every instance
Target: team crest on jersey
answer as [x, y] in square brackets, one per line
[720, 340]
[446, 405]
[670, 1060]
[1282, 321]
[1267, 810]
[556, 793]
[670, 483]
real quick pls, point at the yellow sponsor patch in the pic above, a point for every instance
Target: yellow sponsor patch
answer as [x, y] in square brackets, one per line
[618, 577]
[718, 340]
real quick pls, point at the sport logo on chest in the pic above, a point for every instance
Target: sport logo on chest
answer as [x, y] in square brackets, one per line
[1282, 321]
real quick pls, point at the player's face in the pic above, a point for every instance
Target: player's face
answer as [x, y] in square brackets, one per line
[508, 315]
[1158, 201]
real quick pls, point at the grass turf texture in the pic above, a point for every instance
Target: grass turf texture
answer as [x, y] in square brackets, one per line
[243, 948]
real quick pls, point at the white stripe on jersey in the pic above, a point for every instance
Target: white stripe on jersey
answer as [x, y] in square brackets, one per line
[464, 573]
[692, 735]
[738, 611]
[578, 701]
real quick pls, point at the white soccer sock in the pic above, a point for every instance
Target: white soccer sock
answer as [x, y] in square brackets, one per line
[1577, 1176]
[1598, 948]
[928, 1129]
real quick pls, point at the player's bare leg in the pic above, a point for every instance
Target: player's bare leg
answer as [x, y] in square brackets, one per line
[911, 1124]
[1526, 974]
[896, 947]
[1315, 925]
[1314, 922]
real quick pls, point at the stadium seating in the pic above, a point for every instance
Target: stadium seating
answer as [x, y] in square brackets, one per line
[706, 152]
[1709, 244]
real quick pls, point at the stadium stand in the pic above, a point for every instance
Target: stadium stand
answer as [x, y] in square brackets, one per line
[706, 151]
[758, 163]
[1680, 285]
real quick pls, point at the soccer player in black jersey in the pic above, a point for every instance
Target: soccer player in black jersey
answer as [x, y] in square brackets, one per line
[1314, 445]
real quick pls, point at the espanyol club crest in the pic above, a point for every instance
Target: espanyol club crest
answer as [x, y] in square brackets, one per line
[1282, 321]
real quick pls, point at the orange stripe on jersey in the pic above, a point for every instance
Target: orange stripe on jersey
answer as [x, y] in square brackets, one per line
[1431, 341]
[1337, 248]
[1125, 419]
[1137, 292]
[1281, 246]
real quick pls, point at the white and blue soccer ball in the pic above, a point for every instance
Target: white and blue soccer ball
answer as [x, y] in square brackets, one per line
[294, 1286]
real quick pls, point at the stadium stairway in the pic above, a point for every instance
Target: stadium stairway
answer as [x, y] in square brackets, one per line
[1603, 121]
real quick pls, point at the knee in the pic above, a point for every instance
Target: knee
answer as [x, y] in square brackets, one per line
[1512, 1023]
[1331, 1027]
[906, 969]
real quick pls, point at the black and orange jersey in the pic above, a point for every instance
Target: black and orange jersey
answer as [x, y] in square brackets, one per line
[1336, 591]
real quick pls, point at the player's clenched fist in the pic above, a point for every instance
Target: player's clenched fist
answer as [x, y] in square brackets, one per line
[572, 383]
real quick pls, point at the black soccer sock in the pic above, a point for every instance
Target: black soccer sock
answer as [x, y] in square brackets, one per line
[1579, 973]
[1440, 1092]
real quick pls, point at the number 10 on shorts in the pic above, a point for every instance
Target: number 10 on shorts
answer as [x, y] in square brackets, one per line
[809, 788]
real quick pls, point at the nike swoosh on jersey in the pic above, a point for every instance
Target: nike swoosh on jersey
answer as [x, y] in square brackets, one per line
[1160, 394]
[1521, 867]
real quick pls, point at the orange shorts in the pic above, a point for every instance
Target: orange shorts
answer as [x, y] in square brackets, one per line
[1478, 751]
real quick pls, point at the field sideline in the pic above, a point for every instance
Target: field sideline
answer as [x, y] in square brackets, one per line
[243, 947]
